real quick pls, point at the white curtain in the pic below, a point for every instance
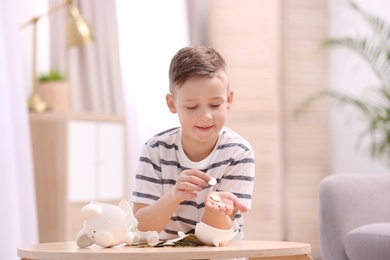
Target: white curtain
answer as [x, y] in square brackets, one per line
[18, 221]
[93, 70]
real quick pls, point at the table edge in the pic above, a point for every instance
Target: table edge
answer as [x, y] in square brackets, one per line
[248, 247]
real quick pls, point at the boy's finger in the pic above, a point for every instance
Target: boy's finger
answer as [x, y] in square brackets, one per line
[240, 206]
[203, 176]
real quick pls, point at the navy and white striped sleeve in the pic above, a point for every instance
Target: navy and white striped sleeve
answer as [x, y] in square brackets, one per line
[148, 180]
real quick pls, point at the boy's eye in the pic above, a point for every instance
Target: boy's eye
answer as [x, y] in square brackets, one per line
[192, 107]
[215, 105]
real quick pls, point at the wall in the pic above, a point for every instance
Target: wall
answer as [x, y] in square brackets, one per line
[349, 74]
[274, 62]
[148, 39]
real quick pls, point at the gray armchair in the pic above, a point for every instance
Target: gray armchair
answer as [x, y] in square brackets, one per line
[354, 217]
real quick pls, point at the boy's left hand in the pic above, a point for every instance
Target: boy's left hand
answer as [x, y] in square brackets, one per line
[224, 202]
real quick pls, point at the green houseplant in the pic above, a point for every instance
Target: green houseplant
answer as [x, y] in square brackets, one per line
[375, 105]
[52, 75]
[54, 90]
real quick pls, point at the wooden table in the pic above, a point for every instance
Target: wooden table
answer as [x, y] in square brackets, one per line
[251, 249]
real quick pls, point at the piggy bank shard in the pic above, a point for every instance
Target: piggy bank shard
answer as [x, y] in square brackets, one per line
[109, 225]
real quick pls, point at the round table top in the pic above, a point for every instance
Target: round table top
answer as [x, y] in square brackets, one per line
[245, 248]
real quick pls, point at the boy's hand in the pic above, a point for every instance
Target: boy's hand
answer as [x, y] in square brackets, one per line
[189, 182]
[224, 202]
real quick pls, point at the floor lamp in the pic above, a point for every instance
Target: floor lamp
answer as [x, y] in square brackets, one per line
[78, 33]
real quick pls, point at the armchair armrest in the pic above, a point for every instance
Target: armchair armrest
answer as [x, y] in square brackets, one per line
[348, 201]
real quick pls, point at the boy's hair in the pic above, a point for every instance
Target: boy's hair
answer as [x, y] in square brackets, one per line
[194, 61]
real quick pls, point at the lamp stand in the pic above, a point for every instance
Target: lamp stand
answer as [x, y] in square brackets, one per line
[35, 102]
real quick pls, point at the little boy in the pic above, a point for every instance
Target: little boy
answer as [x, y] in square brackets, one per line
[172, 191]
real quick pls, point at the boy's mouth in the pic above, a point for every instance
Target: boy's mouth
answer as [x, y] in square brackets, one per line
[204, 127]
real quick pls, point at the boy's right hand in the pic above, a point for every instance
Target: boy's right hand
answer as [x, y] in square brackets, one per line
[188, 183]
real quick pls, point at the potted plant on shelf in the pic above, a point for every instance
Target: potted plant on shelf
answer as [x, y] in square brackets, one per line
[53, 88]
[375, 106]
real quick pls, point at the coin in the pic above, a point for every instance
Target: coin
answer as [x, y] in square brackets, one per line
[215, 197]
[220, 204]
[212, 181]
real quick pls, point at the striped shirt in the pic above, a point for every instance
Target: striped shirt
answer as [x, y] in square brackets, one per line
[162, 160]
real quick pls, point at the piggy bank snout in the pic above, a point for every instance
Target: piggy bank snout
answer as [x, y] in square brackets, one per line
[103, 239]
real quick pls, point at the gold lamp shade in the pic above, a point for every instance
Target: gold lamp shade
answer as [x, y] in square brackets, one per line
[78, 31]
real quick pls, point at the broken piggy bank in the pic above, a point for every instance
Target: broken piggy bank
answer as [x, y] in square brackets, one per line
[108, 225]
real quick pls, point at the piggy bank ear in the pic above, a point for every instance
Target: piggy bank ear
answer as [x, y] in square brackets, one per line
[91, 211]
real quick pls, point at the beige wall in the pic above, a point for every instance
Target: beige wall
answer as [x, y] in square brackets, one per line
[274, 61]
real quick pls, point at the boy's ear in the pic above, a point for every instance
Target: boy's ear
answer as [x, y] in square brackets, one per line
[230, 99]
[171, 103]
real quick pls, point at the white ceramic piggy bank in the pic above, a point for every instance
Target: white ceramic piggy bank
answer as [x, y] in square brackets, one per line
[108, 225]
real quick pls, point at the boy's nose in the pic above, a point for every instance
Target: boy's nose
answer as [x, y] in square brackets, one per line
[205, 114]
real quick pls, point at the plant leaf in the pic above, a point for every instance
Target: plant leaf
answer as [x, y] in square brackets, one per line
[370, 50]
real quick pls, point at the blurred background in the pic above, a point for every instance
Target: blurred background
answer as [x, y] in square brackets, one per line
[57, 160]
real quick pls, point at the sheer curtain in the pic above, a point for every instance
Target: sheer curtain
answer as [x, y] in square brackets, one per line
[93, 70]
[150, 33]
[18, 221]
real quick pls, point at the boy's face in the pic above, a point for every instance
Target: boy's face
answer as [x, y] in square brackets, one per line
[201, 104]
